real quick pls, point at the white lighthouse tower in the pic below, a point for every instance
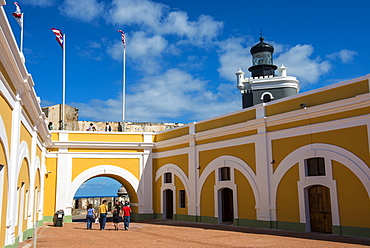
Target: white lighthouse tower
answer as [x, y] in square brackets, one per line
[264, 86]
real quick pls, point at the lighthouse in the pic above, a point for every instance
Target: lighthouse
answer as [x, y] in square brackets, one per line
[264, 85]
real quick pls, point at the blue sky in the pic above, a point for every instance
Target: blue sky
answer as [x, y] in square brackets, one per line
[99, 186]
[182, 55]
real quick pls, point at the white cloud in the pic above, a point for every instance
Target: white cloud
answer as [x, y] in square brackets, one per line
[169, 97]
[307, 70]
[344, 55]
[83, 10]
[232, 56]
[157, 18]
[143, 49]
[140, 12]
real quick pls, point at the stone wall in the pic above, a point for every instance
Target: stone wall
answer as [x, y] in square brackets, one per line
[53, 114]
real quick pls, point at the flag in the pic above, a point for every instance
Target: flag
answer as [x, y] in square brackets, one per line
[59, 36]
[122, 37]
[18, 15]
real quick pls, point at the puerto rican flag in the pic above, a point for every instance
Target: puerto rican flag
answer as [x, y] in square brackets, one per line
[122, 37]
[59, 36]
[18, 15]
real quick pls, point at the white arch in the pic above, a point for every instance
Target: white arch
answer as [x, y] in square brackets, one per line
[267, 93]
[176, 170]
[329, 152]
[233, 163]
[23, 153]
[101, 170]
[4, 142]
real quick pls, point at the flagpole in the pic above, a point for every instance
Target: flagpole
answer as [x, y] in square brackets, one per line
[123, 87]
[64, 81]
[22, 32]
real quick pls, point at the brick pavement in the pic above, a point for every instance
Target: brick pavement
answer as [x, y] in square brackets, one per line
[168, 233]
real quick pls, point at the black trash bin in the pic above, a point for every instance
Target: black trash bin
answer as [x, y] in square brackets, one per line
[58, 218]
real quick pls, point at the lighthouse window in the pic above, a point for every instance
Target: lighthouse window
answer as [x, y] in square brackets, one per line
[168, 177]
[315, 167]
[262, 58]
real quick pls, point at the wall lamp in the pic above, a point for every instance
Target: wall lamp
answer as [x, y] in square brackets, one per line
[303, 105]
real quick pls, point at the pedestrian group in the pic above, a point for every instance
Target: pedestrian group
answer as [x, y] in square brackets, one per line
[119, 210]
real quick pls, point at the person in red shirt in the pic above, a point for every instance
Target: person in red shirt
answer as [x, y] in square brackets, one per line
[126, 214]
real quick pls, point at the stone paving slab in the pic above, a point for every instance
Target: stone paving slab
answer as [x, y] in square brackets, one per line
[169, 233]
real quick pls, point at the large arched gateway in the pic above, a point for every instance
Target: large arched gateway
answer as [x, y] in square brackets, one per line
[123, 157]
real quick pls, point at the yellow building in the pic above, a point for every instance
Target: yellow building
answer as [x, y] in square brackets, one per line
[297, 163]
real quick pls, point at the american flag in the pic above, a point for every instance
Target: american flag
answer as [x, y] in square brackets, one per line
[122, 37]
[18, 15]
[59, 36]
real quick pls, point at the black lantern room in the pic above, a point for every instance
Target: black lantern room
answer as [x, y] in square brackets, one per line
[262, 60]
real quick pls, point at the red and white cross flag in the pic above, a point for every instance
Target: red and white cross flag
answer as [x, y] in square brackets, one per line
[59, 36]
[122, 37]
[18, 15]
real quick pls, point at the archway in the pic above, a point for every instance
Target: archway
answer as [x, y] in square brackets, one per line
[168, 204]
[320, 209]
[227, 206]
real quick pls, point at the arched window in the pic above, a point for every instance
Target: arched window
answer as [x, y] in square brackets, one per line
[266, 97]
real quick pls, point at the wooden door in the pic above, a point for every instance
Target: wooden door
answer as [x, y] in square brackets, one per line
[169, 203]
[320, 209]
[227, 205]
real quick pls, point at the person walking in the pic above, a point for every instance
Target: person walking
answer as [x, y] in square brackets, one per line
[108, 128]
[90, 214]
[126, 213]
[103, 210]
[116, 215]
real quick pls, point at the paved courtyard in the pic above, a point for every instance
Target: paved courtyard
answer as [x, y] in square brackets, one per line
[168, 233]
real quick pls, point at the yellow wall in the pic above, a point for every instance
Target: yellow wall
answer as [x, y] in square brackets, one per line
[37, 186]
[341, 137]
[207, 207]
[180, 186]
[321, 119]
[157, 195]
[169, 148]
[23, 177]
[102, 150]
[50, 187]
[227, 137]
[176, 132]
[244, 152]
[283, 147]
[106, 137]
[287, 197]
[226, 121]
[3, 195]
[79, 165]
[179, 160]
[353, 200]
[322, 97]
[26, 136]
[353, 139]
[54, 136]
[6, 115]
[246, 200]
